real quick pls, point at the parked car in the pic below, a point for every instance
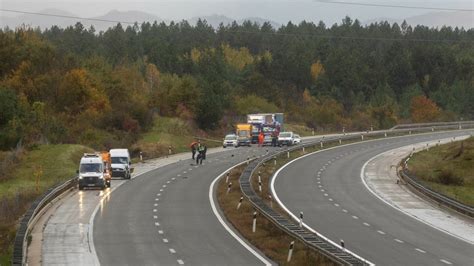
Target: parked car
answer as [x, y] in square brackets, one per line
[286, 138]
[121, 163]
[296, 139]
[230, 140]
[267, 140]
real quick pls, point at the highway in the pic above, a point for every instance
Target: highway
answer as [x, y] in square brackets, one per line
[164, 217]
[328, 189]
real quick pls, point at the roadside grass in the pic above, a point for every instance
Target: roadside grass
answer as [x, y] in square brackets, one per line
[448, 169]
[170, 132]
[36, 171]
[301, 130]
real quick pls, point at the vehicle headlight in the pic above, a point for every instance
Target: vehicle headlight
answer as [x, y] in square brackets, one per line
[81, 177]
[101, 177]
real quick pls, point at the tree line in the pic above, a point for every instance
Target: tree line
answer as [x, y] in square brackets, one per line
[103, 89]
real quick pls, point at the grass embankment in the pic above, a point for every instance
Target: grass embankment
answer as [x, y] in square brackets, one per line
[174, 132]
[33, 173]
[448, 169]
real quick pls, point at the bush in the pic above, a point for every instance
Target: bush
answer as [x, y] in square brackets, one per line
[447, 177]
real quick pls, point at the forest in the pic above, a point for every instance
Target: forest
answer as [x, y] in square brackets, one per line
[103, 89]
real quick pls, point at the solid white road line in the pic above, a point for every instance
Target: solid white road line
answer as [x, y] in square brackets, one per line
[446, 262]
[381, 232]
[224, 224]
[399, 241]
[366, 224]
[420, 250]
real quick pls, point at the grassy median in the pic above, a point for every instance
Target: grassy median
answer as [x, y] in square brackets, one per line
[448, 169]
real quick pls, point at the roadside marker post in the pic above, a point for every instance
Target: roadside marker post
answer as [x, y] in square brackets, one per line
[288, 153]
[254, 224]
[271, 201]
[141, 156]
[340, 141]
[240, 202]
[301, 219]
[228, 187]
[361, 136]
[290, 251]
[260, 186]
[227, 177]
[343, 246]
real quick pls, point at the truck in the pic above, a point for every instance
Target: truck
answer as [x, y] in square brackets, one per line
[92, 172]
[244, 134]
[268, 123]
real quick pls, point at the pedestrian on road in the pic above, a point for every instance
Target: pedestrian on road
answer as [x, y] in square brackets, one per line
[204, 152]
[260, 139]
[274, 139]
[193, 147]
[200, 156]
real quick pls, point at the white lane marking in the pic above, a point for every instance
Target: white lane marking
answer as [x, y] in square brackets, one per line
[344, 210]
[164, 185]
[179, 175]
[159, 194]
[160, 232]
[157, 199]
[167, 182]
[224, 224]
[330, 199]
[355, 217]
[322, 190]
[157, 224]
[420, 250]
[446, 262]
[381, 232]
[155, 210]
[399, 241]
[172, 251]
[184, 172]
[319, 182]
[155, 217]
[173, 178]
[165, 240]
[366, 224]
[277, 199]
[161, 190]
[320, 186]
[335, 204]
[181, 262]
[156, 204]
[325, 194]
[190, 169]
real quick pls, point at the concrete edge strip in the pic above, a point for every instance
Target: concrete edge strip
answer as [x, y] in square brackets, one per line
[224, 224]
[362, 177]
[296, 218]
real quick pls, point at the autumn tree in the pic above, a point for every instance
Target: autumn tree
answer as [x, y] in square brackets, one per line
[423, 109]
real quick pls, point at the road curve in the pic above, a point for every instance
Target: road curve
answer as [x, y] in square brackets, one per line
[164, 217]
[327, 187]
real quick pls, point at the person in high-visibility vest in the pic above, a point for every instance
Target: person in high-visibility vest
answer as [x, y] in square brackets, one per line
[200, 149]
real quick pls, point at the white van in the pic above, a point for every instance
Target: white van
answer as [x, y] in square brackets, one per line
[121, 163]
[91, 172]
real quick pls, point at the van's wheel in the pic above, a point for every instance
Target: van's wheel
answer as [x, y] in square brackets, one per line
[81, 187]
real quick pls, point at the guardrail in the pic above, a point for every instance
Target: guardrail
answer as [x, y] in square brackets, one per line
[30, 218]
[334, 252]
[441, 199]
[434, 124]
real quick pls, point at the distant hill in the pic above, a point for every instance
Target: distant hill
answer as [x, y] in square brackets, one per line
[435, 19]
[114, 15]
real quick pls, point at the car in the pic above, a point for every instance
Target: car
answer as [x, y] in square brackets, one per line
[121, 163]
[230, 140]
[296, 139]
[267, 140]
[286, 138]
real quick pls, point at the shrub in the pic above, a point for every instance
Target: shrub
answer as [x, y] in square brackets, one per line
[447, 177]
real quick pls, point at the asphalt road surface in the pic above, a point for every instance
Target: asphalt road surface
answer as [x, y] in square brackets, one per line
[327, 188]
[164, 217]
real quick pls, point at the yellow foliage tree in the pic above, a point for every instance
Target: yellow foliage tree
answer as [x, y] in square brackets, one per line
[237, 58]
[316, 70]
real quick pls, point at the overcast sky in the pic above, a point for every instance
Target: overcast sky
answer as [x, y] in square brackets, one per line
[280, 11]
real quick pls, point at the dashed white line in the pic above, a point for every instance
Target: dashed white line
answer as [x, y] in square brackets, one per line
[320, 186]
[155, 217]
[157, 224]
[325, 194]
[172, 251]
[181, 262]
[190, 169]
[381, 232]
[155, 210]
[355, 217]
[179, 175]
[157, 199]
[173, 178]
[344, 210]
[184, 172]
[164, 185]
[330, 199]
[161, 190]
[335, 204]
[160, 232]
[366, 224]
[156, 204]
[167, 182]
[159, 194]
[165, 240]
[420, 250]
[399, 241]
[446, 262]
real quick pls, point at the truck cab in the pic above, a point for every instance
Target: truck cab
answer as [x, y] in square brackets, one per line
[244, 134]
[92, 172]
